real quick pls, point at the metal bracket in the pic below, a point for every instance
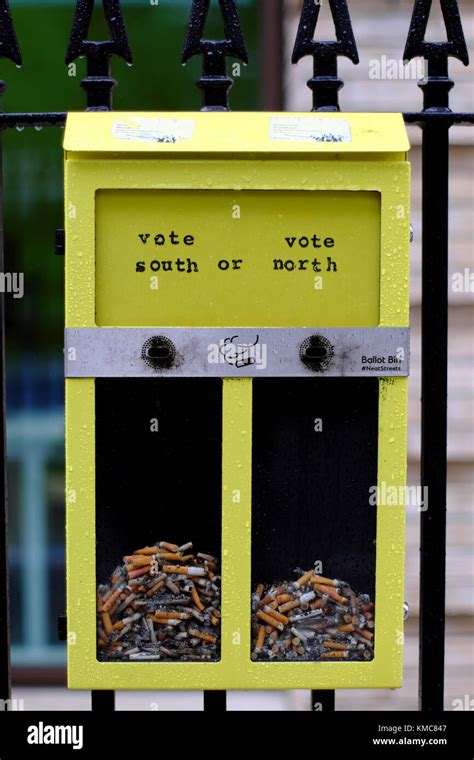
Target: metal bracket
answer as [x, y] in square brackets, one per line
[236, 352]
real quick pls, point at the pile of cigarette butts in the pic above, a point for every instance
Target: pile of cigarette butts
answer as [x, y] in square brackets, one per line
[313, 618]
[163, 603]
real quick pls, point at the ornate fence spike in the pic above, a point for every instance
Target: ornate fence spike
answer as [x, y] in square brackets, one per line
[437, 85]
[214, 82]
[9, 47]
[99, 83]
[325, 83]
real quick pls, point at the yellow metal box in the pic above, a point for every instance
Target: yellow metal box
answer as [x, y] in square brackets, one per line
[236, 376]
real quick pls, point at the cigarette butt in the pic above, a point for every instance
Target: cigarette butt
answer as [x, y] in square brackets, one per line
[171, 615]
[207, 557]
[107, 623]
[118, 626]
[268, 599]
[139, 572]
[202, 635]
[172, 587]
[330, 591]
[347, 628]
[289, 606]
[168, 547]
[175, 569]
[335, 645]
[147, 550]
[171, 555]
[282, 598]
[369, 615]
[270, 620]
[325, 581]
[260, 637]
[259, 591]
[166, 621]
[317, 604]
[277, 615]
[366, 634]
[296, 641]
[334, 655]
[138, 560]
[200, 571]
[197, 600]
[300, 650]
[156, 587]
[307, 598]
[214, 620]
[273, 636]
[304, 580]
[112, 599]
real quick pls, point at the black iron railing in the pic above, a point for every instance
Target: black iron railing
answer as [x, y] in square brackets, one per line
[435, 120]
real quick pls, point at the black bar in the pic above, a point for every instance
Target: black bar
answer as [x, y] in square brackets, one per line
[103, 701]
[323, 701]
[215, 701]
[13, 120]
[441, 117]
[5, 679]
[434, 391]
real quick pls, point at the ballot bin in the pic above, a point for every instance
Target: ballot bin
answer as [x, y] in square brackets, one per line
[236, 361]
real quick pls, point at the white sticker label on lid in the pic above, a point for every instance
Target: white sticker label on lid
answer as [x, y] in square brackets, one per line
[307, 129]
[154, 130]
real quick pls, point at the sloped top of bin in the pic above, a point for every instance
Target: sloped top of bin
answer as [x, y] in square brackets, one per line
[222, 133]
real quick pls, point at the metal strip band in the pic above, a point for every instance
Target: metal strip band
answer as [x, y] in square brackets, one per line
[234, 352]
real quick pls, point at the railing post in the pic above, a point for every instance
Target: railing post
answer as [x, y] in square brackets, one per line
[325, 83]
[98, 83]
[8, 49]
[214, 82]
[434, 352]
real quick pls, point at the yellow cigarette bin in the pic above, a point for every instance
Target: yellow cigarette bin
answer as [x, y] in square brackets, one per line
[236, 361]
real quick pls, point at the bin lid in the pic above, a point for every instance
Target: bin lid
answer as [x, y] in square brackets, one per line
[235, 133]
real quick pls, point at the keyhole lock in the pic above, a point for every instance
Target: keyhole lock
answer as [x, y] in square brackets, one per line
[159, 352]
[316, 353]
